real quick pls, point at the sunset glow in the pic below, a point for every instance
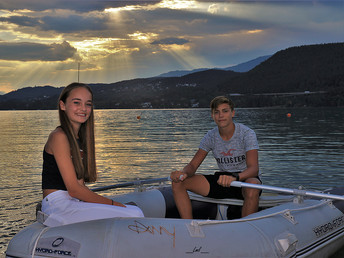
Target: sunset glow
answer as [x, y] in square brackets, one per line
[42, 42]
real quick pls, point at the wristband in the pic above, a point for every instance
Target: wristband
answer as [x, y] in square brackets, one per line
[236, 175]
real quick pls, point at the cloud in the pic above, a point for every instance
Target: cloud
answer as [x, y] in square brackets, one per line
[26, 51]
[115, 39]
[117, 24]
[213, 9]
[170, 41]
[21, 20]
[62, 23]
[78, 22]
[76, 5]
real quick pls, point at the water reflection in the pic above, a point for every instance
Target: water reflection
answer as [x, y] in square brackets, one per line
[144, 147]
[306, 148]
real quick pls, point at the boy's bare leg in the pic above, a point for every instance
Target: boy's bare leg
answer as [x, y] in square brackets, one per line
[197, 184]
[251, 198]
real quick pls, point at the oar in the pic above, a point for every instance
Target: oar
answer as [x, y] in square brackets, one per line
[288, 190]
[136, 182]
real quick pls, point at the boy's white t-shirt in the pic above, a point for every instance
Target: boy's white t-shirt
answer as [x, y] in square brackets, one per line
[230, 155]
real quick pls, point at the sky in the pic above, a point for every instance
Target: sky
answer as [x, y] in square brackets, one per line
[56, 42]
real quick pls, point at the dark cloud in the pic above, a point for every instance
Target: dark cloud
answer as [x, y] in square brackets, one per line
[60, 24]
[176, 23]
[21, 20]
[73, 23]
[191, 23]
[26, 51]
[76, 5]
[170, 41]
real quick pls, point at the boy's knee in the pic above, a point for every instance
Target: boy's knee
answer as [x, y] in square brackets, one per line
[177, 186]
[252, 180]
[251, 193]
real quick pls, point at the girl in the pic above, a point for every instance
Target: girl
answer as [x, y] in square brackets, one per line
[69, 162]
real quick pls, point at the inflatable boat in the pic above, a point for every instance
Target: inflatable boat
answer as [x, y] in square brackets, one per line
[294, 223]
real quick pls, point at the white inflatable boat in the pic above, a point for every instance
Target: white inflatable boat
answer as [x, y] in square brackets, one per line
[293, 225]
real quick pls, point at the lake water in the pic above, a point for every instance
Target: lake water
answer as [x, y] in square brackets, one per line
[305, 149]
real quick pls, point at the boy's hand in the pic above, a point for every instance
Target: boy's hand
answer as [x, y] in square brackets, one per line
[178, 176]
[225, 180]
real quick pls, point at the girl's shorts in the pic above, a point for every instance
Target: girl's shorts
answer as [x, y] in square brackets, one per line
[63, 209]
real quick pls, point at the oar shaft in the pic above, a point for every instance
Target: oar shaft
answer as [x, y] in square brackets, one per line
[288, 190]
[136, 182]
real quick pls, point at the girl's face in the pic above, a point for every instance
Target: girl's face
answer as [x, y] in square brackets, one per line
[223, 115]
[78, 106]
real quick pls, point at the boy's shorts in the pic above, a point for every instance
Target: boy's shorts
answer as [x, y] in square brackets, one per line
[219, 192]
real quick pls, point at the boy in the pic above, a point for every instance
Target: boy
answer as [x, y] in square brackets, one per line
[235, 148]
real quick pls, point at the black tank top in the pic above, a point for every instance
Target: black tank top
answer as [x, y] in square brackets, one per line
[51, 176]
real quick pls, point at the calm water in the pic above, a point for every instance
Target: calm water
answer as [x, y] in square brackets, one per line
[306, 149]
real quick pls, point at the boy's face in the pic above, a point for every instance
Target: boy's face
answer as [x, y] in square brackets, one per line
[223, 115]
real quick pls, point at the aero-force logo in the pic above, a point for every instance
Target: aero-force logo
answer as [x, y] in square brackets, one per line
[57, 247]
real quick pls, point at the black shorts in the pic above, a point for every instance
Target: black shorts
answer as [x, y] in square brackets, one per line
[219, 192]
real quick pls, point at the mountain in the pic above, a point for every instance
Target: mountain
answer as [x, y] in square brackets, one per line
[31, 92]
[315, 70]
[179, 73]
[247, 66]
[310, 75]
[243, 67]
[31, 98]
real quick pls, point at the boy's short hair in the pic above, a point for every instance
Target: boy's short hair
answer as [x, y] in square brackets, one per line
[221, 100]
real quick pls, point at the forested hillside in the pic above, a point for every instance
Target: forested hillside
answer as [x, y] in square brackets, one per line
[317, 70]
[298, 76]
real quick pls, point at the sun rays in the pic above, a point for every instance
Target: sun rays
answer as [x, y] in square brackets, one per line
[42, 42]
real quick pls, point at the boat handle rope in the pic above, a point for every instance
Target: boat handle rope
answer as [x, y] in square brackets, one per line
[45, 229]
[214, 222]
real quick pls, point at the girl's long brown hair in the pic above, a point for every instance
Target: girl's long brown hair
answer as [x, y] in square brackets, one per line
[85, 167]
